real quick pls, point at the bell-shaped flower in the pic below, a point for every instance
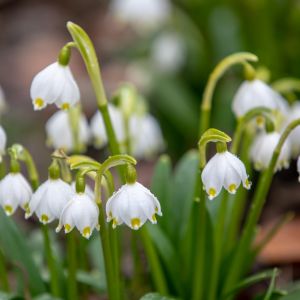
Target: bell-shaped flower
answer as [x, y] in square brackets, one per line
[15, 192]
[294, 136]
[256, 93]
[54, 84]
[80, 212]
[132, 204]
[143, 15]
[2, 141]
[262, 150]
[226, 170]
[298, 167]
[146, 136]
[98, 128]
[59, 132]
[49, 200]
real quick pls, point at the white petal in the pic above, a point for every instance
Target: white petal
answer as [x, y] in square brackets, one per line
[98, 128]
[213, 175]
[70, 94]
[146, 136]
[253, 94]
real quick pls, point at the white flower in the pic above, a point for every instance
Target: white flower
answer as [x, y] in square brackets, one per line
[294, 136]
[168, 52]
[132, 204]
[98, 128]
[54, 84]
[141, 14]
[298, 167]
[49, 200]
[81, 212]
[256, 93]
[14, 191]
[59, 131]
[146, 136]
[262, 151]
[2, 141]
[224, 170]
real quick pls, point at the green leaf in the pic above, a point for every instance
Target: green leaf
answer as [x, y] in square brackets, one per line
[182, 195]
[251, 280]
[168, 254]
[15, 247]
[177, 105]
[161, 188]
[94, 279]
[156, 296]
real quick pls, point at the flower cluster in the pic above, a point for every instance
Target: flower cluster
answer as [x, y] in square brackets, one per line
[55, 84]
[133, 204]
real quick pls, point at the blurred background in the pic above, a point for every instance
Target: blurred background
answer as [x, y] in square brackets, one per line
[167, 50]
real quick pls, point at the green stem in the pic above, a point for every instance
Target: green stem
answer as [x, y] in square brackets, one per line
[115, 245]
[31, 168]
[109, 267]
[111, 278]
[113, 143]
[239, 200]
[200, 247]
[127, 135]
[243, 122]
[3, 274]
[87, 51]
[24, 155]
[74, 121]
[220, 69]
[262, 189]
[218, 247]
[54, 282]
[72, 266]
[156, 270]
[2, 169]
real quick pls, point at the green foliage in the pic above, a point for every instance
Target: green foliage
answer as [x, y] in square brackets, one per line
[14, 244]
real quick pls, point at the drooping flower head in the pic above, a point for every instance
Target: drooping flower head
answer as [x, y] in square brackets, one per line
[294, 136]
[256, 93]
[98, 127]
[80, 212]
[146, 136]
[262, 151]
[132, 204]
[226, 170]
[59, 131]
[3, 140]
[50, 198]
[54, 84]
[15, 191]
